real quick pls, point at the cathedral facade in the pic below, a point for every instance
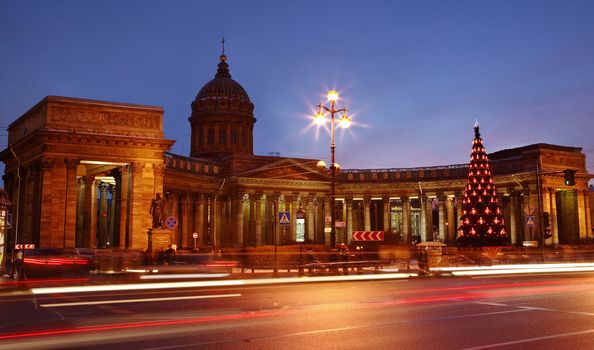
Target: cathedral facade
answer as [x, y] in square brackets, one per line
[83, 173]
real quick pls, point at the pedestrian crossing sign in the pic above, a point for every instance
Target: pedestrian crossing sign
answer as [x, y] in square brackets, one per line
[530, 221]
[284, 218]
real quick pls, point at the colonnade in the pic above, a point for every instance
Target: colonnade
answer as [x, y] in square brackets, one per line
[251, 219]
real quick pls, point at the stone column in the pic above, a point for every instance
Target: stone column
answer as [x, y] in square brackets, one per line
[228, 228]
[513, 220]
[217, 224]
[258, 219]
[450, 224]
[406, 222]
[367, 213]
[429, 219]
[294, 200]
[172, 208]
[111, 216]
[239, 203]
[102, 214]
[588, 214]
[123, 192]
[442, 218]
[386, 205]
[459, 202]
[424, 232]
[250, 236]
[199, 219]
[69, 228]
[311, 225]
[581, 208]
[553, 206]
[139, 203]
[283, 205]
[327, 213]
[80, 211]
[349, 218]
[89, 238]
[184, 220]
[47, 168]
[342, 230]
[546, 208]
[546, 200]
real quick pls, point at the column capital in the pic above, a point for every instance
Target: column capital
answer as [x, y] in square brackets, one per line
[159, 169]
[48, 163]
[103, 186]
[71, 164]
[123, 170]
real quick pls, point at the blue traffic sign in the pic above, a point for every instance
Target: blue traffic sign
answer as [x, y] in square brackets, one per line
[171, 222]
[530, 221]
[284, 218]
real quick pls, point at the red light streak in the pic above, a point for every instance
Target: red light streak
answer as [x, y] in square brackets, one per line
[56, 261]
[120, 326]
[43, 281]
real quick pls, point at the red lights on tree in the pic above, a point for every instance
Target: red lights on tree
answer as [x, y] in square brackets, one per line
[482, 221]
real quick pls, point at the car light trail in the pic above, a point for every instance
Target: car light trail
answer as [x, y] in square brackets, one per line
[518, 271]
[544, 267]
[192, 275]
[144, 300]
[224, 283]
[121, 326]
[45, 281]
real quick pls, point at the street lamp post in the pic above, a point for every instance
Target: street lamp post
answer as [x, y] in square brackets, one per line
[344, 122]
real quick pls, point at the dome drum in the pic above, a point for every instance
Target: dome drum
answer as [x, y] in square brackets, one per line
[223, 104]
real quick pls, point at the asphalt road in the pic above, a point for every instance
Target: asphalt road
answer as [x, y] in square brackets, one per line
[519, 312]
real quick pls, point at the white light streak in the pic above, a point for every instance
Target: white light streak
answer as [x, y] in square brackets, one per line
[192, 275]
[225, 283]
[104, 302]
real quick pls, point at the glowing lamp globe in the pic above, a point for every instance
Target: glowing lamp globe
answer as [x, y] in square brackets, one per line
[319, 118]
[344, 122]
[321, 166]
[332, 96]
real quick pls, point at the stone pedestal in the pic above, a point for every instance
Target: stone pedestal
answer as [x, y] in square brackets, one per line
[158, 239]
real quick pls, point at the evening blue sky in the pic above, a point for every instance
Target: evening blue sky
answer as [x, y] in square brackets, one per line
[414, 74]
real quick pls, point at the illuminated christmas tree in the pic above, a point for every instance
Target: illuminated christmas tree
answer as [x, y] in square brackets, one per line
[481, 223]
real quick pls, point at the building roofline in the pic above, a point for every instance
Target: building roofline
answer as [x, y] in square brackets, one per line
[75, 100]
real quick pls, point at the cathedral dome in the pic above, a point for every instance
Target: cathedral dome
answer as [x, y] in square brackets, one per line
[222, 117]
[222, 95]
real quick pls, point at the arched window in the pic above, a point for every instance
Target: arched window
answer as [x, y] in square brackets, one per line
[222, 136]
[200, 136]
[210, 139]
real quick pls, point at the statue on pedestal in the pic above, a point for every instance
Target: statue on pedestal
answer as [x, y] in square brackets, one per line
[158, 211]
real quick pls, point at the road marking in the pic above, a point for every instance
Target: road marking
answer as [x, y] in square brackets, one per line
[528, 340]
[104, 302]
[493, 304]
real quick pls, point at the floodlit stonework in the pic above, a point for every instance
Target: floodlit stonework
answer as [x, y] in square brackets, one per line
[87, 171]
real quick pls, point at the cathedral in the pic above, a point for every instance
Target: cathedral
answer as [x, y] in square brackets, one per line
[83, 173]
